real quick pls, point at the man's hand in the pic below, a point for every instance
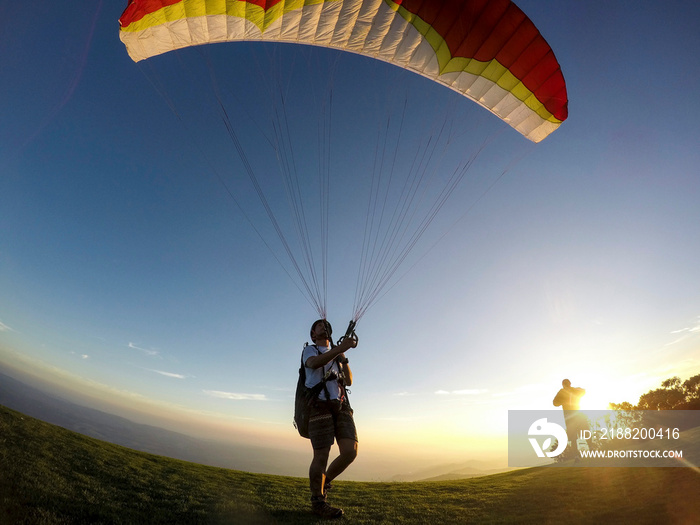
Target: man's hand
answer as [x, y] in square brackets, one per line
[318, 361]
[347, 343]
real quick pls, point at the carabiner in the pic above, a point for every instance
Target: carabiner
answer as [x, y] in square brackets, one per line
[350, 332]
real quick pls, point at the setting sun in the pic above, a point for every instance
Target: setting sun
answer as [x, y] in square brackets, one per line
[596, 399]
[601, 390]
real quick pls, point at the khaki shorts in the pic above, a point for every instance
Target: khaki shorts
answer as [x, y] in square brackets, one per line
[330, 420]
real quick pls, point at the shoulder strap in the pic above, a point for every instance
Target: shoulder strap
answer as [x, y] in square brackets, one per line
[316, 389]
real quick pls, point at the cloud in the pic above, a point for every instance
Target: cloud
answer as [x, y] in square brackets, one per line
[464, 392]
[5, 328]
[85, 356]
[469, 392]
[675, 341]
[693, 329]
[169, 374]
[235, 396]
[146, 351]
[683, 334]
[528, 389]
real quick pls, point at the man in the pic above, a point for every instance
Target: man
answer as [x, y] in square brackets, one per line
[569, 398]
[330, 416]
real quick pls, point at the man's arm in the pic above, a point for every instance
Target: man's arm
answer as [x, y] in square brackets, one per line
[347, 373]
[317, 361]
[559, 398]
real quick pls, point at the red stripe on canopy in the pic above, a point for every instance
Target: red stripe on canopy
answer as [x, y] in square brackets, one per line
[137, 9]
[497, 29]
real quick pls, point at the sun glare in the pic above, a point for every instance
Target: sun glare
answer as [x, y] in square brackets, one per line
[600, 393]
[595, 401]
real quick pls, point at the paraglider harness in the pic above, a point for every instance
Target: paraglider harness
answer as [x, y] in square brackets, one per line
[306, 397]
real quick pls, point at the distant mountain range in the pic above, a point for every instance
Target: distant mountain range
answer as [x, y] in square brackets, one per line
[451, 471]
[34, 402]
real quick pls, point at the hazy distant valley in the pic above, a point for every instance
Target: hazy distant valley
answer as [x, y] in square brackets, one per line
[34, 402]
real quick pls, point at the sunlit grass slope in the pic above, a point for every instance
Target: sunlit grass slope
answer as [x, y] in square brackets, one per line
[51, 475]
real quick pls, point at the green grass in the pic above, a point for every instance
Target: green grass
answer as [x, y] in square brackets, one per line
[51, 475]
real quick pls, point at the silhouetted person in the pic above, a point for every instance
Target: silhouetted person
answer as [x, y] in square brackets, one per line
[569, 399]
[330, 418]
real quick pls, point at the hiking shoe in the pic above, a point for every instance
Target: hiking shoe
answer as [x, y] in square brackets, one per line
[322, 509]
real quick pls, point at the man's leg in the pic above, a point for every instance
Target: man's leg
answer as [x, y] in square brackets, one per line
[317, 478]
[348, 453]
[317, 470]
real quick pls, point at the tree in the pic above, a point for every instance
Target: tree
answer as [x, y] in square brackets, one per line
[669, 397]
[673, 395]
[626, 415]
[691, 387]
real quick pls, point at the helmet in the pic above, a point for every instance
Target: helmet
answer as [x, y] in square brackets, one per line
[329, 328]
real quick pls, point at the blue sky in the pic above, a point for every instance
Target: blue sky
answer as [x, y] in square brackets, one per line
[128, 273]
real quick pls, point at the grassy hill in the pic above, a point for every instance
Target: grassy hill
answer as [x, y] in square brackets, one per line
[51, 475]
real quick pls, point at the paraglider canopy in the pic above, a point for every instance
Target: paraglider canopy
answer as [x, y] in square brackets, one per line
[485, 50]
[488, 50]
